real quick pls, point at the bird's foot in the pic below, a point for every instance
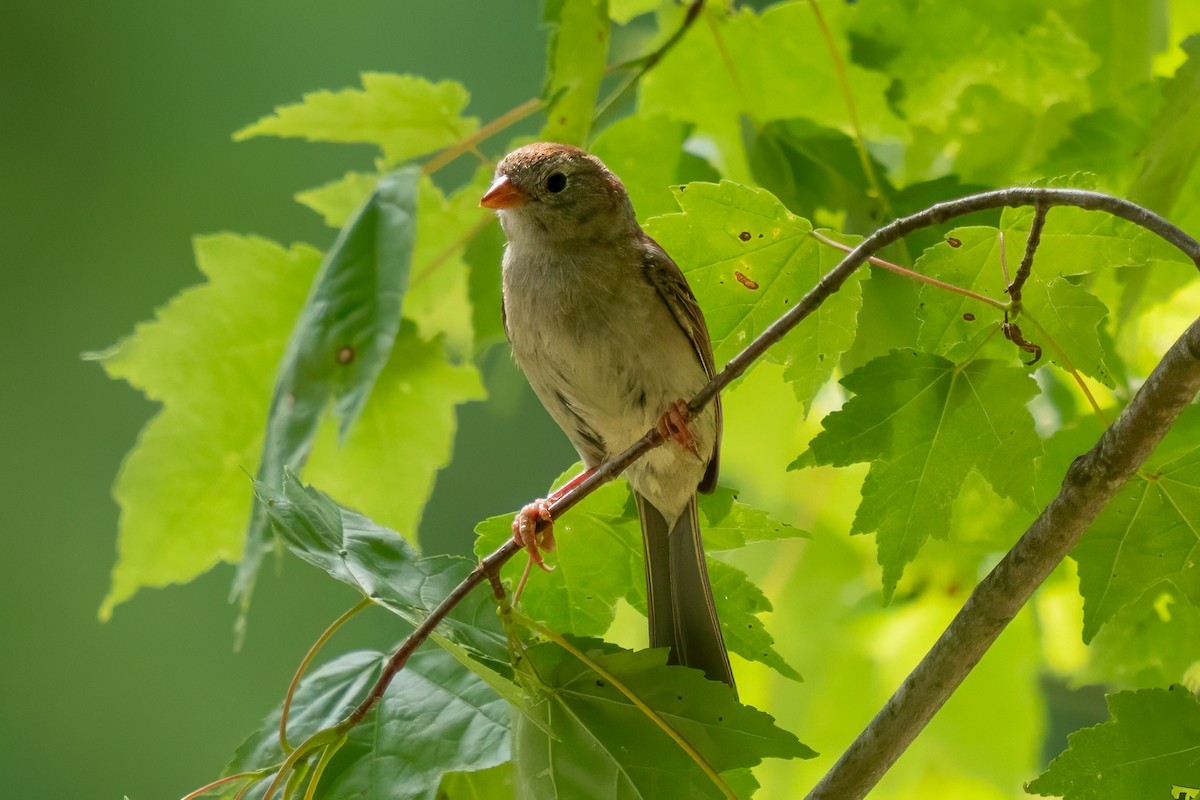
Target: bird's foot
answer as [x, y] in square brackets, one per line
[533, 529]
[673, 427]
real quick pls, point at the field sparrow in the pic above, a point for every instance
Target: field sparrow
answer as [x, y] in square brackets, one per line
[609, 335]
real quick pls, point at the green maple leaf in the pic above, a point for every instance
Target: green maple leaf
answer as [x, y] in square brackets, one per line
[575, 61]
[1126, 266]
[1150, 642]
[435, 717]
[598, 561]
[923, 422]
[748, 259]
[1151, 744]
[1025, 50]
[182, 489]
[586, 734]
[404, 115]
[437, 298]
[956, 326]
[209, 357]
[750, 71]
[1149, 533]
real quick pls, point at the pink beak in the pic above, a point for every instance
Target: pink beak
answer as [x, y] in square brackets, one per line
[503, 194]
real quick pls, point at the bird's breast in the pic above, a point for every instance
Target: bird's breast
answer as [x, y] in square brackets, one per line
[606, 357]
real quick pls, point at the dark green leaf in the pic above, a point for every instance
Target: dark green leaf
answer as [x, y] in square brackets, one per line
[402, 434]
[1149, 533]
[1151, 744]
[435, 718]
[381, 565]
[340, 343]
[601, 744]
[815, 170]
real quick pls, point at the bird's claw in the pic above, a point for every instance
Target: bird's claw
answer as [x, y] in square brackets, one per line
[673, 427]
[533, 529]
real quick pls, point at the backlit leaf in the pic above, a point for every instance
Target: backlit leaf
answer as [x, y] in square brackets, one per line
[748, 259]
[923, 422]
[208, 357]
[404, 115]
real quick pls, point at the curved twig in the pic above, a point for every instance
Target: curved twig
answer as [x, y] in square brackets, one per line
[1031, 246]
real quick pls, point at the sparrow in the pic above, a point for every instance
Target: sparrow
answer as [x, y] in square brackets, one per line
[611, 339]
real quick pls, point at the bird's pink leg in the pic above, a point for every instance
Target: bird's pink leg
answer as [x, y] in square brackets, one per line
[673, 427]
[533, 527]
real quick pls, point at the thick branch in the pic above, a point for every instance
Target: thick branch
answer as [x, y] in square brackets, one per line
[1090, 484]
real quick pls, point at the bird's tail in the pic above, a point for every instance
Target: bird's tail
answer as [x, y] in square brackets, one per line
[679, 599]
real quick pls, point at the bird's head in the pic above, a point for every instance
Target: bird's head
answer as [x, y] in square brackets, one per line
[556, 191]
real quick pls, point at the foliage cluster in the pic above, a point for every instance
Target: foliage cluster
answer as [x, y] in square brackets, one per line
[754, 144]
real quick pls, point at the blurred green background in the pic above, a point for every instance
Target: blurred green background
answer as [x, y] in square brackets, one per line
[115, 122]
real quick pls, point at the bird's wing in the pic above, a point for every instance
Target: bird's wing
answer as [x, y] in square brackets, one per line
[673, 288]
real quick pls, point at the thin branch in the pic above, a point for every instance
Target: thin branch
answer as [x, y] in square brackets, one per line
[208, 787]
[444, 256]
[415, 639]
[1091, 482]
[467, 144]
[646, 62]
[1031, 246]
[909, 273]
[325, 636]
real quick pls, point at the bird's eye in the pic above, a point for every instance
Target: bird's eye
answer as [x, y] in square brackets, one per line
[556, 182]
